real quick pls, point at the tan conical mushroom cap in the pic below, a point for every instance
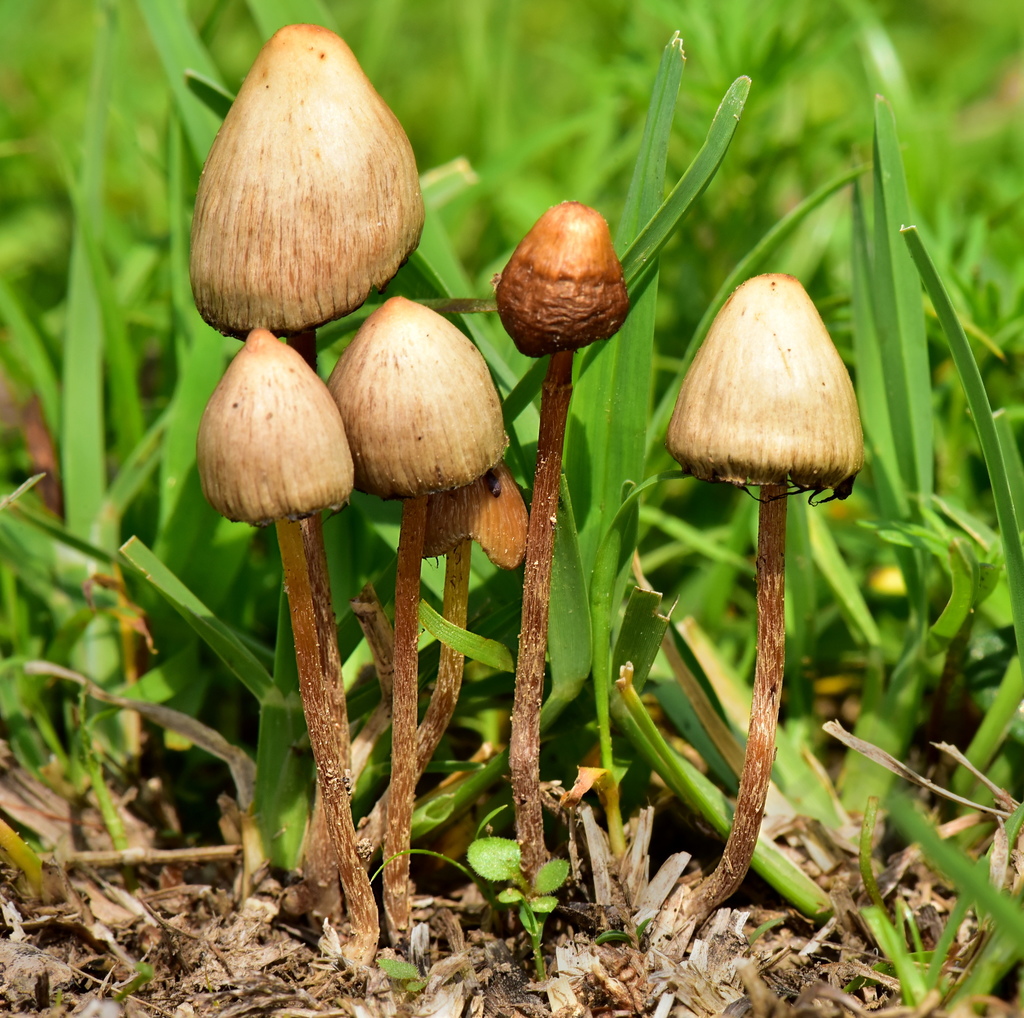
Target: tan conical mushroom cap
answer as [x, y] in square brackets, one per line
[419, 406]
[309, 196]
[767, 398]
[271, 442]
[489, 510]
[563, 286]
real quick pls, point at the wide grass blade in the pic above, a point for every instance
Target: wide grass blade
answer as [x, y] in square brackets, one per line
[235, 655]
[608, 422]
[897, 374]
[987, 740]
[640, 254]
[83, 439]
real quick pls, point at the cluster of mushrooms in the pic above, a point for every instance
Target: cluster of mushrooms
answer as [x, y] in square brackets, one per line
[309, 201]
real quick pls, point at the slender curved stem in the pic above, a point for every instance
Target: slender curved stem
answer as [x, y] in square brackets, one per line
[524, 746]
[305, 572]
[404, 770]
[764, 709]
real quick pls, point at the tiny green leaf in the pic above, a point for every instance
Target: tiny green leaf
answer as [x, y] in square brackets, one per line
[613, 937]
[551, 876]
[510, 896]
[544, 905]
[494, 858]
[399, 970]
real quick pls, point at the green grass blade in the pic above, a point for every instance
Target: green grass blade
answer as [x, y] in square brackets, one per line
[214, 96]
[136, 470]
[640, 635]
[83, 442]
[35, 360]
[569, 647]
[844, 586]
[897, 360]
[892, 945]
[607, 430]
[1012, 463]
[237, 657]
[899, 314]
[284, 772]
[980, 752]
[478, 648]
[180, 49]
[641, 253]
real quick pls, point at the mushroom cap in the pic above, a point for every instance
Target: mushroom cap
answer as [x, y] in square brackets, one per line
[309, 196]
[563, 286]
[420, 410]
[489, 510]
[271, 442]
[768, 398]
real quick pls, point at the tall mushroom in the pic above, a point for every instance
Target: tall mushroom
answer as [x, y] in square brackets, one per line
[422, 416]
[768, 402]
[309, 197]
[561, 290]
[272, 448]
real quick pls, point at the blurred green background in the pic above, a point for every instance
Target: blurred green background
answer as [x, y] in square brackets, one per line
[544, 102]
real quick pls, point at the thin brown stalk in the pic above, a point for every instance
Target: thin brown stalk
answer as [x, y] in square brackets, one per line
[449, 681]
[524, 746]
[764, 707]
[404, 771]
[303, 579]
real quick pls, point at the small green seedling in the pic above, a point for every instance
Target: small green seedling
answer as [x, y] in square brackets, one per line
[624, 936]
[404, 973]
[498, 859]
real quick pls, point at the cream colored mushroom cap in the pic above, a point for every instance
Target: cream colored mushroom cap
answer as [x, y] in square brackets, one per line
[768, 398]
[271, 442]
[420, 410]
[309, 196]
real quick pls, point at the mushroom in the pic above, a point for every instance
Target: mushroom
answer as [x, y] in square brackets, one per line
[309, 196]
[272, 448]
[422, 416]
[768, 402]
[562, 289]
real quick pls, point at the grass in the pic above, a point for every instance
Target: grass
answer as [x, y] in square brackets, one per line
[106, 369]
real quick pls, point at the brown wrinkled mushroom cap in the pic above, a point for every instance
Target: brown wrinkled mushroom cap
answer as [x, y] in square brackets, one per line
[489, 510]
[271, 442]
[309, 196]
[768, 398]
[563, 286]
[420, 410]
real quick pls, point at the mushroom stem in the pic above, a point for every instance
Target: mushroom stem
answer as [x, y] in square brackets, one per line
[450, 667]
[305, 571]
[524, 746]
[404, 769]
[764, 708]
